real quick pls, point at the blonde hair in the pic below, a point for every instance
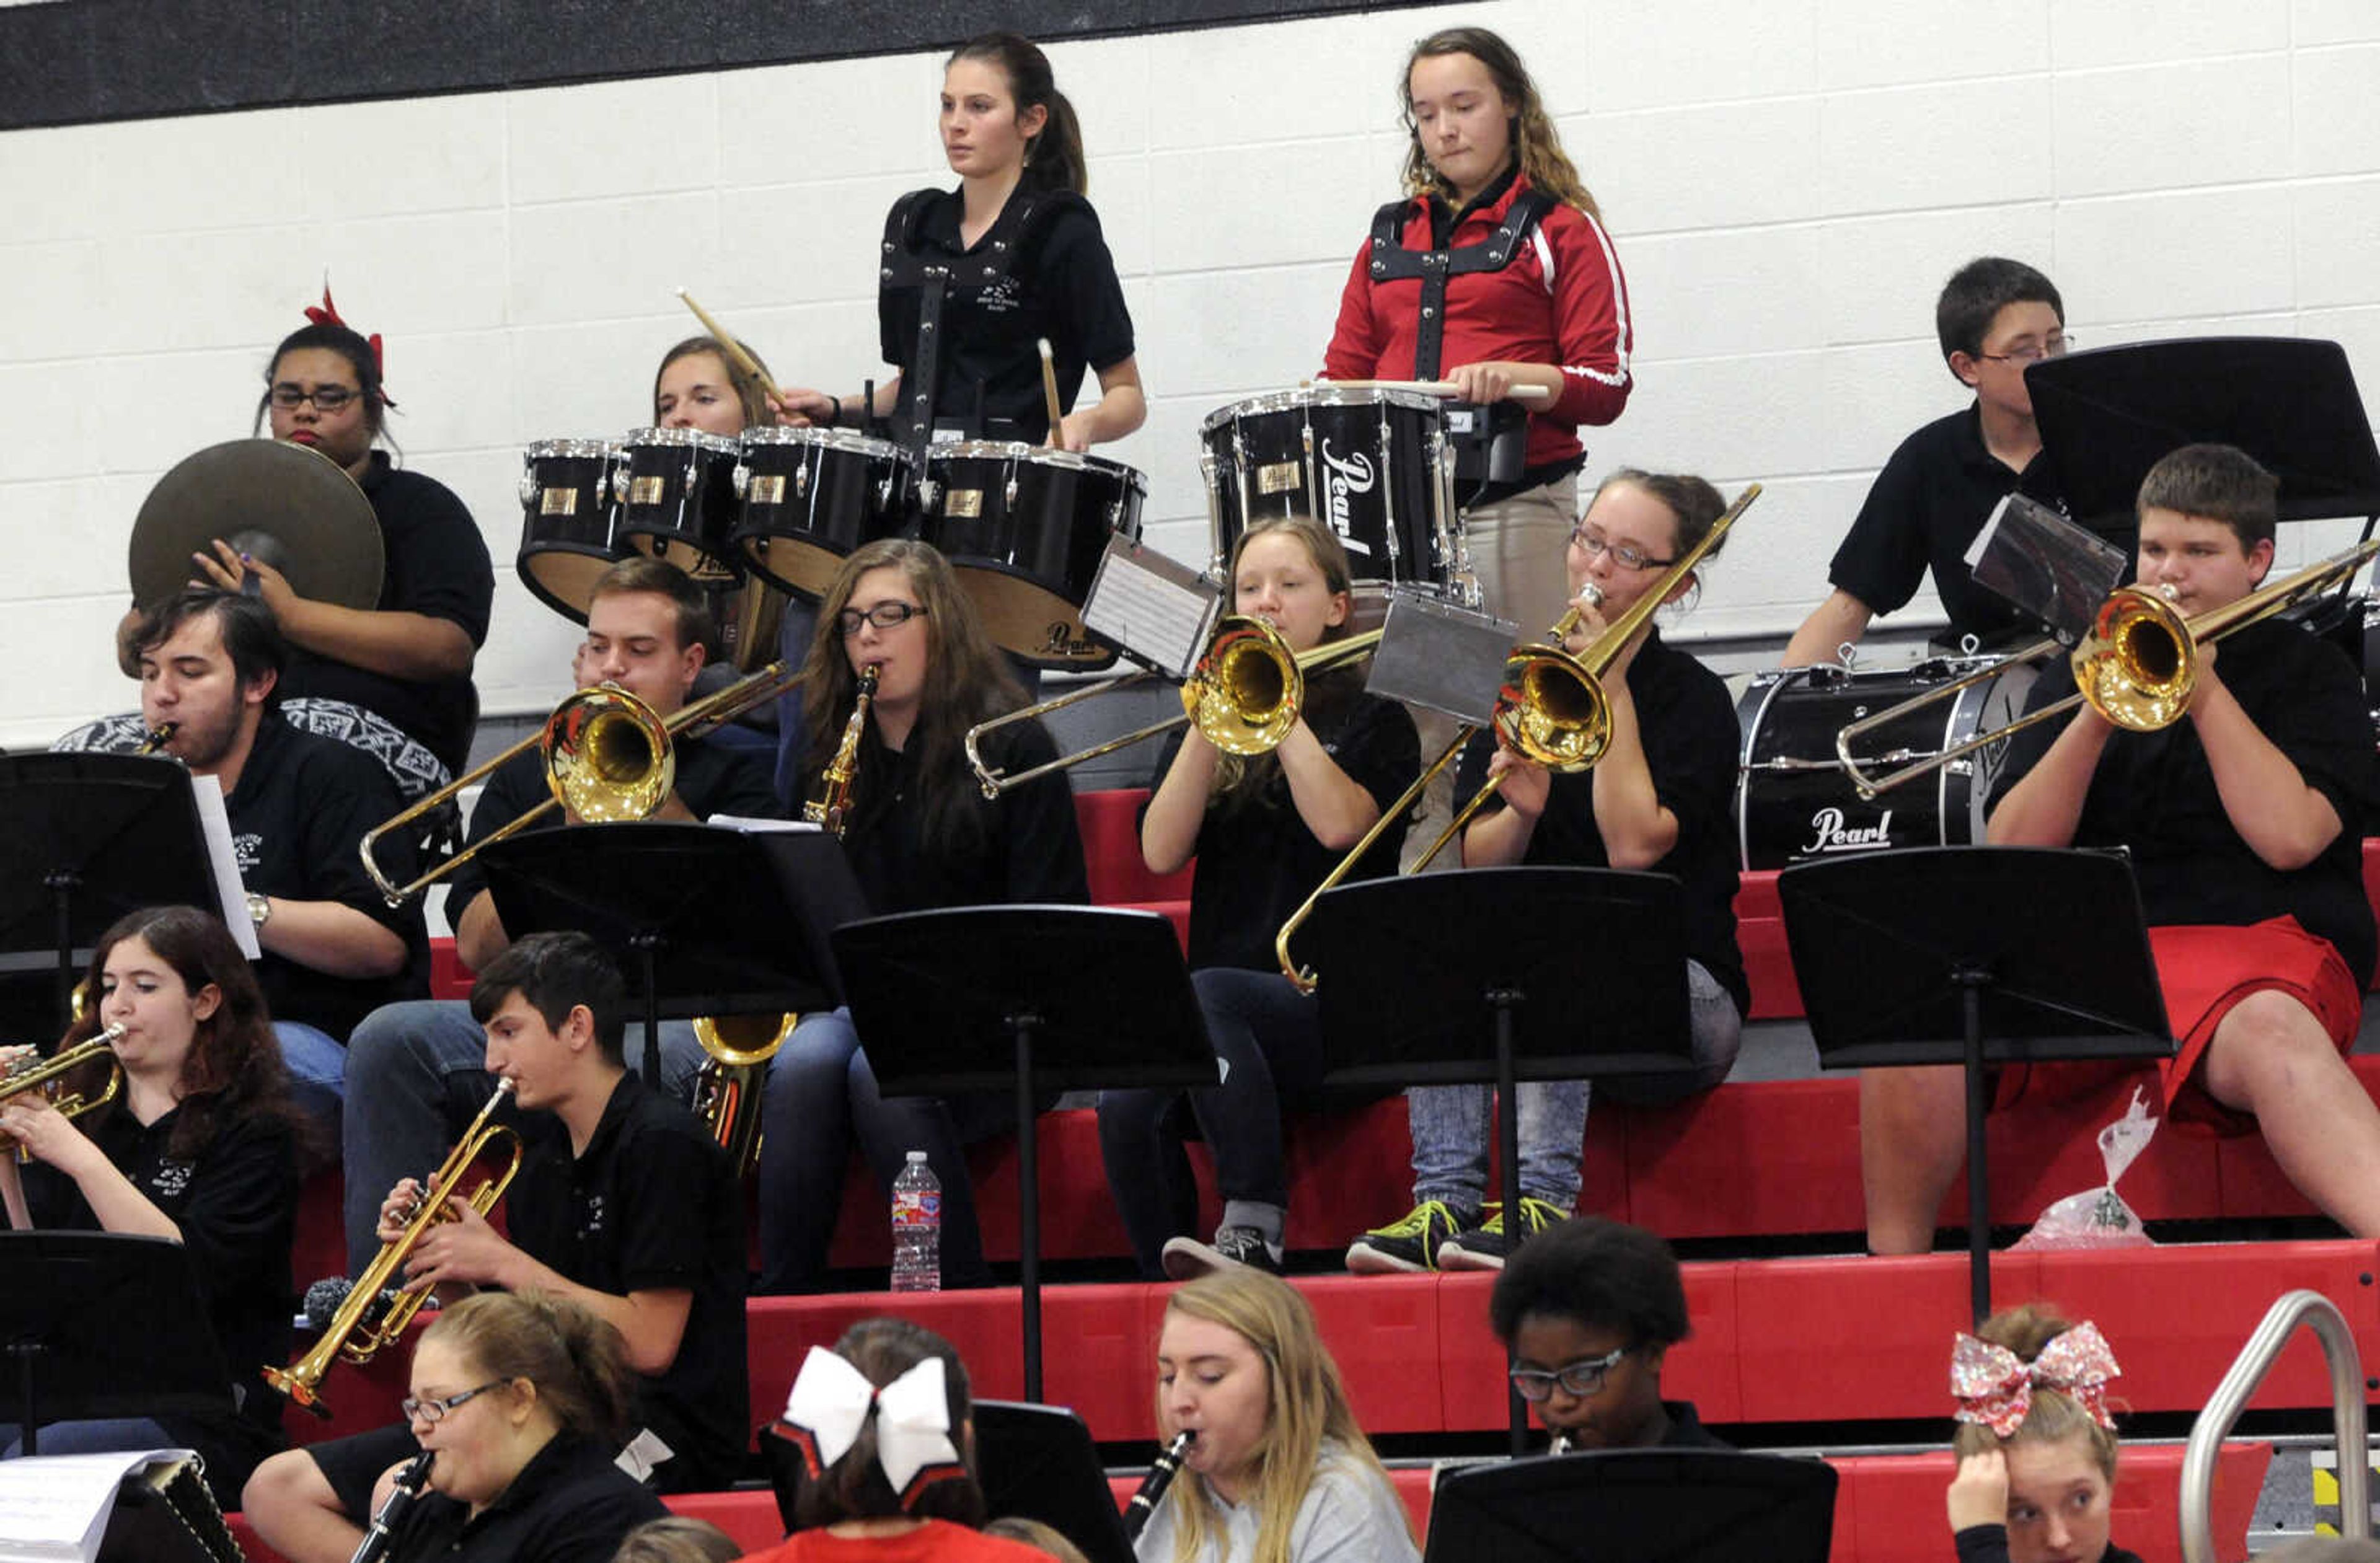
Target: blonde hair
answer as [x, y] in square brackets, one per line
[1241, 778]
[2054, 1416]
[678, 1539]
[1306, 1408]
[575, 1359]
[1535, 142]
[1037, 1535]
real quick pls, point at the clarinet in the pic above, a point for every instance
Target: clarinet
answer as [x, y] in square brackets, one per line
[1161, 1476]
[410, 1482]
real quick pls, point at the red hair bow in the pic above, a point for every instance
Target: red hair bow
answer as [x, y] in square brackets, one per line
[327, 313]
[1994, 1388]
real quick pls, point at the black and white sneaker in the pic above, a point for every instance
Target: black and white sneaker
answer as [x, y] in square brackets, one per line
[1234, 1248]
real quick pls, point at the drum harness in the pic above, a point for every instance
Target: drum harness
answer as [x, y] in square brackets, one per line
[1498, 432]
[1015, 234]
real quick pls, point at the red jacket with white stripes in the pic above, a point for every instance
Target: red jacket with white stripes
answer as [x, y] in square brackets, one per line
[1561, 301]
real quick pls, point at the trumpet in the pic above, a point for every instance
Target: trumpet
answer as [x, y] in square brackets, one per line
[607, 757]
[2137, 666]
[353, 1332]
[49, 1076]
[1244, 697]
[1551, 708]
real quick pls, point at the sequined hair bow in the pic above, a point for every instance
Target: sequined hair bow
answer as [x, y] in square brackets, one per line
[830, 1403]
[1994, 1387]
[327, 313]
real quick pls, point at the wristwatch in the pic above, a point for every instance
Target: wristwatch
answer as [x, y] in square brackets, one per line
[260, 910]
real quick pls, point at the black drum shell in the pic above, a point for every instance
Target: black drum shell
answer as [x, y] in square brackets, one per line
[1367, 460]
[567, 521]
[675, 489]
[810, 497]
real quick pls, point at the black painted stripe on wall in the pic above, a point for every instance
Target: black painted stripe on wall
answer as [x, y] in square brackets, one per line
[78, 61]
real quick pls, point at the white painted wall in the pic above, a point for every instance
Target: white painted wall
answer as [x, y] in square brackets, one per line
[1789, 182]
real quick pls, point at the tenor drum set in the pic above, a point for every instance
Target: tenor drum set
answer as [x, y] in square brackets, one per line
[774, 513]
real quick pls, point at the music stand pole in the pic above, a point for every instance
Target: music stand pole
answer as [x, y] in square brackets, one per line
[1971, 981]
[1028, 1203]
[1502, 1002]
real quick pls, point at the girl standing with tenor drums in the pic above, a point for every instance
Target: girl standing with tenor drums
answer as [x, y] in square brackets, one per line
[973, 276]
[1265, 831]
[1495, 273]
[201, 1147]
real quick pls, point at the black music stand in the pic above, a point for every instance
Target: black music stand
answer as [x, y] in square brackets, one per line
[1637, 1506]
[1944, 955]
[1031, 998]
[90, 837]
[705, 920]
[62, 1321]
[2107, 416]
[1452, 978]
[1039, 1462]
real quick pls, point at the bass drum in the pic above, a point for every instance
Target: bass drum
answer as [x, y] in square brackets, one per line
[1371, 461]
[1794, 801]
[1024, 527]
[567, 521]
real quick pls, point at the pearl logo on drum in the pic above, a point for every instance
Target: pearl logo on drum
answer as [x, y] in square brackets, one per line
[1350, 474]
[1828, 833]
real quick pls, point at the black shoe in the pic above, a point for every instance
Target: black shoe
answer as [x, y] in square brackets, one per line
[1410, 1243]
[1484, 1247]
[1234, 1248]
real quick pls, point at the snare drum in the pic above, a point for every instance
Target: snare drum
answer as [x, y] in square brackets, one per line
[1370, 461]
[566, 517]
[812, 495]
[1793, 801]
[676, 494]
[1025, 527]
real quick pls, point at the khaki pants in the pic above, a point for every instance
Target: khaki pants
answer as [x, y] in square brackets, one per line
[1517, 547]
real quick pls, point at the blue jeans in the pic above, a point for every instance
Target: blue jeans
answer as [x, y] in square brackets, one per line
[97, 1435]
[1452, 1124]
[316, 1064]
[820, 1099]
[1267, 1037]
[417, 1076]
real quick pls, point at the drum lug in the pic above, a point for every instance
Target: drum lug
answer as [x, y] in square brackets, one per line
[741, 479]
[529, 488]
[1012, 491]
[802, 478]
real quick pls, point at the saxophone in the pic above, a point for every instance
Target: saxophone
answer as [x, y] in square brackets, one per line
[834, 800]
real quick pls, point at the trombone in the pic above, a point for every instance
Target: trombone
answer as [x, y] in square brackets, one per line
[2137, 666]
[607, 757]
[1244, 696]
[354, 1333]
[1551, 708]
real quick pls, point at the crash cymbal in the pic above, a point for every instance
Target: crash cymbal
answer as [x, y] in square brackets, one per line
[294, 508]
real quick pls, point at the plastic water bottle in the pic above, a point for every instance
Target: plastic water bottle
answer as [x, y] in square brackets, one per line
[917, 1228]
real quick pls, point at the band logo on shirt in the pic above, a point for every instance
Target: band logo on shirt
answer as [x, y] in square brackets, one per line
[171, 1179]
[590, 1216]
[248, 847]
[1350, 474]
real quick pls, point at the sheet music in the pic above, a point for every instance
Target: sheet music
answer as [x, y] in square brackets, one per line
[1154, 607]
[214, 824]
[741, 822]
[55, 1508]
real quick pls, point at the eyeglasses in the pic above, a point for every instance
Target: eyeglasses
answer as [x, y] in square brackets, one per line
[2054, 349]
[326, 399]
[884, 615]
[1595, 545]
[434, 1411]
[1580, 1378]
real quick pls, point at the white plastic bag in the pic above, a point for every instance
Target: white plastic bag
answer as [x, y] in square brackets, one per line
[2099, 1218]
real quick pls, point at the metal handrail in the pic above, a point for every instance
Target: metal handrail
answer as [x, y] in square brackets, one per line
[2230, 1397]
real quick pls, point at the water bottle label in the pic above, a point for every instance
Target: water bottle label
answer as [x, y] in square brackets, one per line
[917, 1207]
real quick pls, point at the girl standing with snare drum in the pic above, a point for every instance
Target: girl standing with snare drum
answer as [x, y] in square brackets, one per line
[1531, 300]
[1025, 261]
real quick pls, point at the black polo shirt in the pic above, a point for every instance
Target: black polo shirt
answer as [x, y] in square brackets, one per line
[713, 778]
[1257, 859]
[569, 1503]
[1062, 286]
[436, 564]
[1024, 847]
[1691, 743]
[2154, 793]
[1922, 513]
[1686, 1429]
[302, 804]
[650, 1205]
[236, 1202]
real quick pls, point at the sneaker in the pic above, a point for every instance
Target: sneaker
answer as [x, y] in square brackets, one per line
[1234, 1248]
[1484, 1247]
[1411, 1245]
